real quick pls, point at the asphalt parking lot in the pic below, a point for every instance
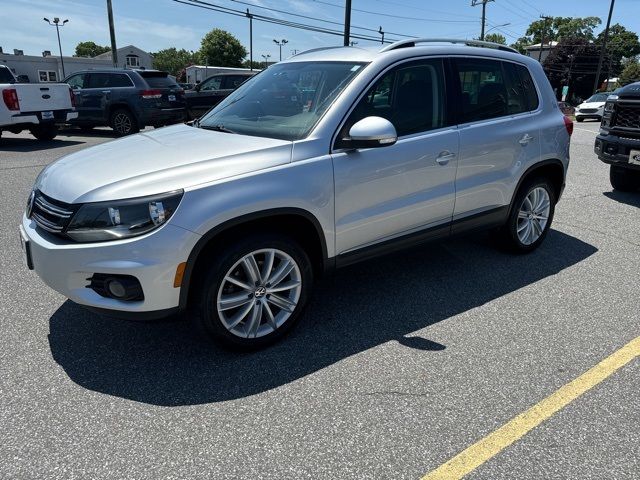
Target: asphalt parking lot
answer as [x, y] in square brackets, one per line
[398, 365]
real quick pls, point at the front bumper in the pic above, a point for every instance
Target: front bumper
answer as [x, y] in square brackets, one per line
[614, 149]
[151, 258]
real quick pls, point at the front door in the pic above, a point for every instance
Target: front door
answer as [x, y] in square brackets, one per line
[386, 192]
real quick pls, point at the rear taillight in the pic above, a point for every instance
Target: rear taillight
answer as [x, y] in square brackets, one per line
[568, 125]
[151, 94]
[10, 97]
[72, 96]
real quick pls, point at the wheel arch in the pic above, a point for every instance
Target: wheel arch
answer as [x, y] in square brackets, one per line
[302, 225]
[552, 169]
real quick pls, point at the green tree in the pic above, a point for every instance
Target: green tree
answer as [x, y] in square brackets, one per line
[621, 44]
[174, 61]
[630, 74]
[221, 49]
[521, 43]
[495, 38]
[256, 65]
[573, 62]
[90, 49]
[557, 28]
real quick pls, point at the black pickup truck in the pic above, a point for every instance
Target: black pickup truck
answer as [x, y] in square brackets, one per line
[618, 143]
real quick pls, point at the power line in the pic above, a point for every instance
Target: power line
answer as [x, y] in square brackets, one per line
[484, 13]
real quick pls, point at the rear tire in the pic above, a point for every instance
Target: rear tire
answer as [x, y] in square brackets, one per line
[123, 122]
[256, 307]
[44, 132]
[530, 217]
[624, 179]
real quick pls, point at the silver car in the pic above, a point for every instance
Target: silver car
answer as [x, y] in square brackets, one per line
[331, 157]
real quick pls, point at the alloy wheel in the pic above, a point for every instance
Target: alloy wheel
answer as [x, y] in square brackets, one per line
[259, 293]
[122, 123]
[533, 215]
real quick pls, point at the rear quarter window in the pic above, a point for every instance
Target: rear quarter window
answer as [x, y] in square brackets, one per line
[529, 87]
[6, 76]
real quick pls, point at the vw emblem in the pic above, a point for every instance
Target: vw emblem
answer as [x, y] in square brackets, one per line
[30, 203]
[260, 292]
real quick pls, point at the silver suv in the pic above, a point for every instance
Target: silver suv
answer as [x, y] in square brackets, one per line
[323, 160]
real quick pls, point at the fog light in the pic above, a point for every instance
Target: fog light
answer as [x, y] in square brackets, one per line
[115, 288]
[120, 287]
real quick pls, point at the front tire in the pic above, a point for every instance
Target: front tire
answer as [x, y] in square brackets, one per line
[44, 132]
[624, 179]
[123, 122]
[530, 217]
[579, 119]
[253, 292]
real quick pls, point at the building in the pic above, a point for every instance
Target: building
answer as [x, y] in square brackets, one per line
[533, 51]
[198, 73]
[47, 67]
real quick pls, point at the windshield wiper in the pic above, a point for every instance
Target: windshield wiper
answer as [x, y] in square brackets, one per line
[217, 128]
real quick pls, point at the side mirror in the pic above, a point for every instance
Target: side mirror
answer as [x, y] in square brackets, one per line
[371, 132]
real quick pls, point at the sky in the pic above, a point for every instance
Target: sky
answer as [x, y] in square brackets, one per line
[157, 24]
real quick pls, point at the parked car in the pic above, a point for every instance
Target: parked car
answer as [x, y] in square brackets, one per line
[126, 100]
[593, 107]
[37, 107]
[234, 216]
[187, 86]
[212, 91]
[618, 142]
[566, 108]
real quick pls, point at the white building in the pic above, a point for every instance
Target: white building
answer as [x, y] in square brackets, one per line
[533, 51]
[48, 68]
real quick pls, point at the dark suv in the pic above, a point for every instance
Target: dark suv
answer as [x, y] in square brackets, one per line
[126, 100]
[212, 91]
[618, 143]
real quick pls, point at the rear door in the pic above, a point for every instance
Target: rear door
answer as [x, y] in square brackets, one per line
[97, 96]
[499, 135]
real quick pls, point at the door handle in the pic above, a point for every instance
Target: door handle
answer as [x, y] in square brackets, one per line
[526, 138]
[445, 157]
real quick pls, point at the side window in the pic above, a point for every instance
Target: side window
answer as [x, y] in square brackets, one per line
[213, 83]
[119, 80]
[411, 97]
[232, 81]
[484, 94]
[516, 97]
[529, 87]
[76, 81]
[99, 80]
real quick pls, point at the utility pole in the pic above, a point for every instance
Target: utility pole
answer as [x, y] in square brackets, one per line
[250, 17]
[347, 22]
[542, 34]
[280, 44]
[604, 47]
[112, 32]
[484, 13]
[381, 32]
[56, 23]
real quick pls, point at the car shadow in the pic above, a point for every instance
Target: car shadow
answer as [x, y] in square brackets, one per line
[363, 306]
[26, 145]
[630, 198]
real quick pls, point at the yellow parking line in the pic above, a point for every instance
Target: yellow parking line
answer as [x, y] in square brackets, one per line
[489, 446]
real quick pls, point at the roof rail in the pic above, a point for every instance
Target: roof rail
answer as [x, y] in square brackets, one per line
[472, 43]
[319, 49]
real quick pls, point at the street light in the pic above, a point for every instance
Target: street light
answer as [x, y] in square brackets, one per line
[56, 23]
[266, 60]
[280, 44]
[497, 26]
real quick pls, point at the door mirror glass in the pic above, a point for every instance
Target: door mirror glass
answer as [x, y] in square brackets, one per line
[371, 132]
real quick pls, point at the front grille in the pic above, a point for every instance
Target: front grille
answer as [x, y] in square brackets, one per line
[51, 215]
[628, 116]
[588, 110]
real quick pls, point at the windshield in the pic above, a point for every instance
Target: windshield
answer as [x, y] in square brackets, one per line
[285, 101]
[598, 97]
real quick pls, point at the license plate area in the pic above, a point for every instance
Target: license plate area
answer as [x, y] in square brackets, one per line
[47, 115]
[25, 244]
[634, 157]
[172, 98]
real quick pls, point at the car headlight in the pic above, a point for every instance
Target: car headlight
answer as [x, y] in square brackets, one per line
[118, 219]
[608, 107]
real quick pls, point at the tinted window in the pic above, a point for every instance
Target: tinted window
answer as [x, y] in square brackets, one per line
[529, 87]
[213, 83]
[516, 96]
[76, 81]
[233, 81]
[411, 97]
[6, 76]
[120, 80]
[484, 94]
[158, 80]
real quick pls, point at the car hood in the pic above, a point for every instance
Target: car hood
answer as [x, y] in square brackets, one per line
[591, 105]
[158, 161]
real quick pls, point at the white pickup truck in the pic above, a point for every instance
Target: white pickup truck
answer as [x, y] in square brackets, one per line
[38, 107]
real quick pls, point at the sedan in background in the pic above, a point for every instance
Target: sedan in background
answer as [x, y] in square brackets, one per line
[593, 107]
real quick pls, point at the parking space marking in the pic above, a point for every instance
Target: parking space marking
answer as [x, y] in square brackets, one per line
[486, 448]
